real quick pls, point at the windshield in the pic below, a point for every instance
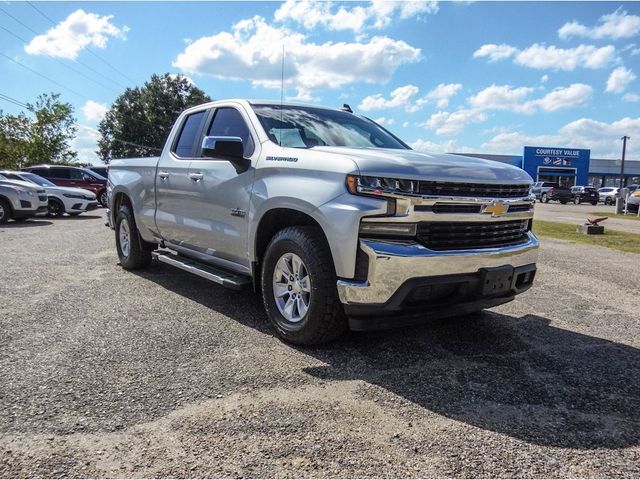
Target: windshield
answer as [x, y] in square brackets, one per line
[308, 127]
[95, 176]
[37, 179]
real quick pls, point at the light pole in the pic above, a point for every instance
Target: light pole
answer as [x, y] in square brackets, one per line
[624, 151]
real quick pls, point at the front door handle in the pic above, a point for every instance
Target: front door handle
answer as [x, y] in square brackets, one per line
[163, 175]
[196, 176]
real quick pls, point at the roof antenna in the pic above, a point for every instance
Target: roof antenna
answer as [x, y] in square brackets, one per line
[282, 97]
[345, 108]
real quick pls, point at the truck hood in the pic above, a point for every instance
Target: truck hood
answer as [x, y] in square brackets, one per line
[409, 164]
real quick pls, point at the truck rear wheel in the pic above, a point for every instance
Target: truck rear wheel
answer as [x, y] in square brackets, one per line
[299, 287]
[132, 250]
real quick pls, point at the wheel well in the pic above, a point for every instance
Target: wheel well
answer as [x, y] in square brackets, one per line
[275, 220]
[119, 200]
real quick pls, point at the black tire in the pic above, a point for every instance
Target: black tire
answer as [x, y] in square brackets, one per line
[102, 198]
[544, 198]
[594, 203]
[56, 208]
[325, 319]
[137, 255]
[5, 211]
[577, 200]
[563, 202]
[608, 201]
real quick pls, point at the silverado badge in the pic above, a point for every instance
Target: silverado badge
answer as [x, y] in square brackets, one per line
[496, 209]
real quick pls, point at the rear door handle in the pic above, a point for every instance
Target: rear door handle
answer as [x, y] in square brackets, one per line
[196, 176]
[163, 175]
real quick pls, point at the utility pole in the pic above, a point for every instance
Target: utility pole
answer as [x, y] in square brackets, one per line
[624, 152]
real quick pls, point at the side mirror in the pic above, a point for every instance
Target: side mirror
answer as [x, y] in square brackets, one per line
[226, 148]
[87, 178]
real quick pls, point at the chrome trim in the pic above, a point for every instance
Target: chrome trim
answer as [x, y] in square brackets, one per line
[392, 263]
[406, 212]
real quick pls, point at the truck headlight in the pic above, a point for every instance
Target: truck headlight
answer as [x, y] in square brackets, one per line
[365, 185]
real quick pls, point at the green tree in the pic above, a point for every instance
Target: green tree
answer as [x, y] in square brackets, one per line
[53, 127]
[42, 137]
[14, 140]
[139, 121]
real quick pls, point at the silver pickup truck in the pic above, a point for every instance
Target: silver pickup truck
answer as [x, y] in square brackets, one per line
[335, 220]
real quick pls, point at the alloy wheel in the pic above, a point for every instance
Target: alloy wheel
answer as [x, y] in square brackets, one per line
[124, 235]
[292, 287]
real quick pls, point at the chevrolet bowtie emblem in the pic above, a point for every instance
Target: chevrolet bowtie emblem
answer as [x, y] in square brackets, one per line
[496, 209]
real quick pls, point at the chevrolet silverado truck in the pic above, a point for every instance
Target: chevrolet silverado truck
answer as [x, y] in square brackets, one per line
[332, 218]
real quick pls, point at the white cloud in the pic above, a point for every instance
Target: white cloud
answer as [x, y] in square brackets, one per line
[94, 111]
[495, 52]
[385, 121]
[428, 146]
[517, 99]
[618, 24]
[449, 123]
[501, 97]
[440, 95]
[586, 56]
[574, 95]
[253, 51]
[544, 78]
[86, 144]
[379, 14]
[619, 79]
[602, 138]
[631, 97]
[77, 31]
[400, 97]
[541, 56]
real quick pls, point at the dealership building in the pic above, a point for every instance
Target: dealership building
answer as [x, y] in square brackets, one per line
[569, 166]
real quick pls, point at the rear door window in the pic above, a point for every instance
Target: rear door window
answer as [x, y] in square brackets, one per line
[186, 143]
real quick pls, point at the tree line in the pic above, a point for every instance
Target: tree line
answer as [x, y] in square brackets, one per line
[136, 125]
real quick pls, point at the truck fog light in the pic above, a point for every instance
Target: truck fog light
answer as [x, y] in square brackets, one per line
[388, 229]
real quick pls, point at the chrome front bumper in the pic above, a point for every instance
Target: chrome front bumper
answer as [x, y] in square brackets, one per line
[393, 263]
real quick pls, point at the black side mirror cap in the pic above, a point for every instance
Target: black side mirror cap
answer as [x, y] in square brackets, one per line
[226, 148]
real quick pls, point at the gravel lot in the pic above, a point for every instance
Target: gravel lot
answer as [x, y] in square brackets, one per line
[109, 373]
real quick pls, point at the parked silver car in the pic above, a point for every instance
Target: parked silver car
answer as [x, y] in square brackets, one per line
[608, 195]
[633, 201]
[19, 200]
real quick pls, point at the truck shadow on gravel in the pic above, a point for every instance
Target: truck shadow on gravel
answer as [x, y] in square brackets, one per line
[520, 377]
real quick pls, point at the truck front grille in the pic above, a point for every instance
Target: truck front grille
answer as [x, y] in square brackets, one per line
[472, 235]
[473, 190]
[456, 208]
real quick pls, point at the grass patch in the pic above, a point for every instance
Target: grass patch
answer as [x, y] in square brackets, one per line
[623, 241]
[631, 216]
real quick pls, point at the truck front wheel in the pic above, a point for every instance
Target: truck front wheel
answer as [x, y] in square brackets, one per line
[299, 287]
[132, 250]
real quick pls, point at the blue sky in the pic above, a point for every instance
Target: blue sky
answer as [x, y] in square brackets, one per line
[464, 76]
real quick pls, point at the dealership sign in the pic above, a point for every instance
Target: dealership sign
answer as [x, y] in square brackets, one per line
[538, 161]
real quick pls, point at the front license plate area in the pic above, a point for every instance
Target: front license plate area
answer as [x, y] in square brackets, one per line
[496, 281]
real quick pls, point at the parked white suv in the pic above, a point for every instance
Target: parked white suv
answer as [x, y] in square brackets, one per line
[20, 200]
[61, 200]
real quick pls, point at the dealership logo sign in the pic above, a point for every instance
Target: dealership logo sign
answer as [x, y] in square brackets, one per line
[565, 162]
